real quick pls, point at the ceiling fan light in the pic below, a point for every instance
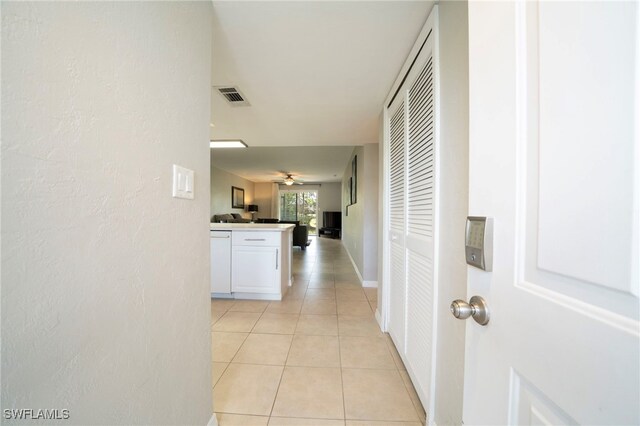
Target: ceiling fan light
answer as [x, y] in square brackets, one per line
[237, 143]
[288, 180]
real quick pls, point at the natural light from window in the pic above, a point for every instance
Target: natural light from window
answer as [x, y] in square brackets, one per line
[300, 206]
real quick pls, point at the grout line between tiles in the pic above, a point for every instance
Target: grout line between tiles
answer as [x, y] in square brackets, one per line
[238, 350]
[344, 406]
[275, 398]
[307, 418]
[223, 371]
[409, 391]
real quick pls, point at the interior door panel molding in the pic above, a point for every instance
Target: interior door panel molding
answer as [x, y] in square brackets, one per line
[529, 405]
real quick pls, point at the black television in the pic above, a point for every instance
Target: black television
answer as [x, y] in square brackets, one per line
[332, 220]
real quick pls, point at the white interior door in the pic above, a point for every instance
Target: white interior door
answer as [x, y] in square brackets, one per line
[554, 155]
[421, 226]
[397, 223]
[412, 135]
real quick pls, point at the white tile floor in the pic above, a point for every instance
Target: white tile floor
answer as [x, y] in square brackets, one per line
[317, 357]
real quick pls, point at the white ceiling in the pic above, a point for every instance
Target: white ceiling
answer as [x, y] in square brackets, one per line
[264, 164]
[315, 72]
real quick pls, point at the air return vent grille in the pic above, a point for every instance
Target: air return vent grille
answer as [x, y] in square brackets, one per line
[232, 95]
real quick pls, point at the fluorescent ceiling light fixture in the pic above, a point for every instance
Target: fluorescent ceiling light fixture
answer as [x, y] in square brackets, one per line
[237, 143]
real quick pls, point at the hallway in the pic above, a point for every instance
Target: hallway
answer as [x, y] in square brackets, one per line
[315, 358]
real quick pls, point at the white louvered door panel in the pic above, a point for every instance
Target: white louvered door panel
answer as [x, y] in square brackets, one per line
[420, 226]
[421, 155]
[397, 208]
[397, 168]
[411, 159]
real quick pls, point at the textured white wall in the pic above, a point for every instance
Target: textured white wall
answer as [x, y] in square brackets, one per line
[105, 276]
[360, 227]
[370, 232]
[221, 183]
[353, 222]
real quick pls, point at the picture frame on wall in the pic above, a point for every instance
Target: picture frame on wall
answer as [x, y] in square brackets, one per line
[354, 180]
[350, 189]
[237, 198]
[346, 195]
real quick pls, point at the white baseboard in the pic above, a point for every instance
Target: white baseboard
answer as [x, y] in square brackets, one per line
[213, 421]
[353, 262]
[370, 284]
[222, 295]
[256, 296]
[379, 320]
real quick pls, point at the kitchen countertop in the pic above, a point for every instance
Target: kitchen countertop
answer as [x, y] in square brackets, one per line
[278, 227]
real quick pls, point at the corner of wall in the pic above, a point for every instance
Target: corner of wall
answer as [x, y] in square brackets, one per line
[454, 151]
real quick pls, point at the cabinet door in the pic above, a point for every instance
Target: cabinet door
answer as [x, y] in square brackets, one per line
[256, 269]
[220, 262]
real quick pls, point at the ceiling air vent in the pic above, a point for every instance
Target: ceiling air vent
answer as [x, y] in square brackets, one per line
[232, 95]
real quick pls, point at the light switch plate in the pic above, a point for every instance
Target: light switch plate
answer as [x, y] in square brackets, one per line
[182, 182]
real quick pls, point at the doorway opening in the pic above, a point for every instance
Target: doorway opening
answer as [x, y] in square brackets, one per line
[300, 206]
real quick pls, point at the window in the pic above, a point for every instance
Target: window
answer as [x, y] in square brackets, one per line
[301, 206]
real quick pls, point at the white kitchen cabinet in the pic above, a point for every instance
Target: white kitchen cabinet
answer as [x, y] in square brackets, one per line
[256, 269]
[257, 259]
[220, 262]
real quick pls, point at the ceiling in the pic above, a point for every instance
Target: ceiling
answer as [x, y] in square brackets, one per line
[316, 73]
[265, 164]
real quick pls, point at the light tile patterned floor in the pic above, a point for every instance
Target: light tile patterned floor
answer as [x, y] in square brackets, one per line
[316, 358]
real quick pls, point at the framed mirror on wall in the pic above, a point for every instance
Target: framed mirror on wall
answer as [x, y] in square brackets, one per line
[237, 198]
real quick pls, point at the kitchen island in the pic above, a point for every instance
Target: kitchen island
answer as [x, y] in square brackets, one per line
[251, 260]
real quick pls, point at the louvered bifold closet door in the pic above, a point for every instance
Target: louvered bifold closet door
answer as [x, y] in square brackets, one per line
[420, 226]
[411, 183]
[397, 224]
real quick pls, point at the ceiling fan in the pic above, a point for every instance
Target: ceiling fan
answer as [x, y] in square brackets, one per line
[289, 180]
